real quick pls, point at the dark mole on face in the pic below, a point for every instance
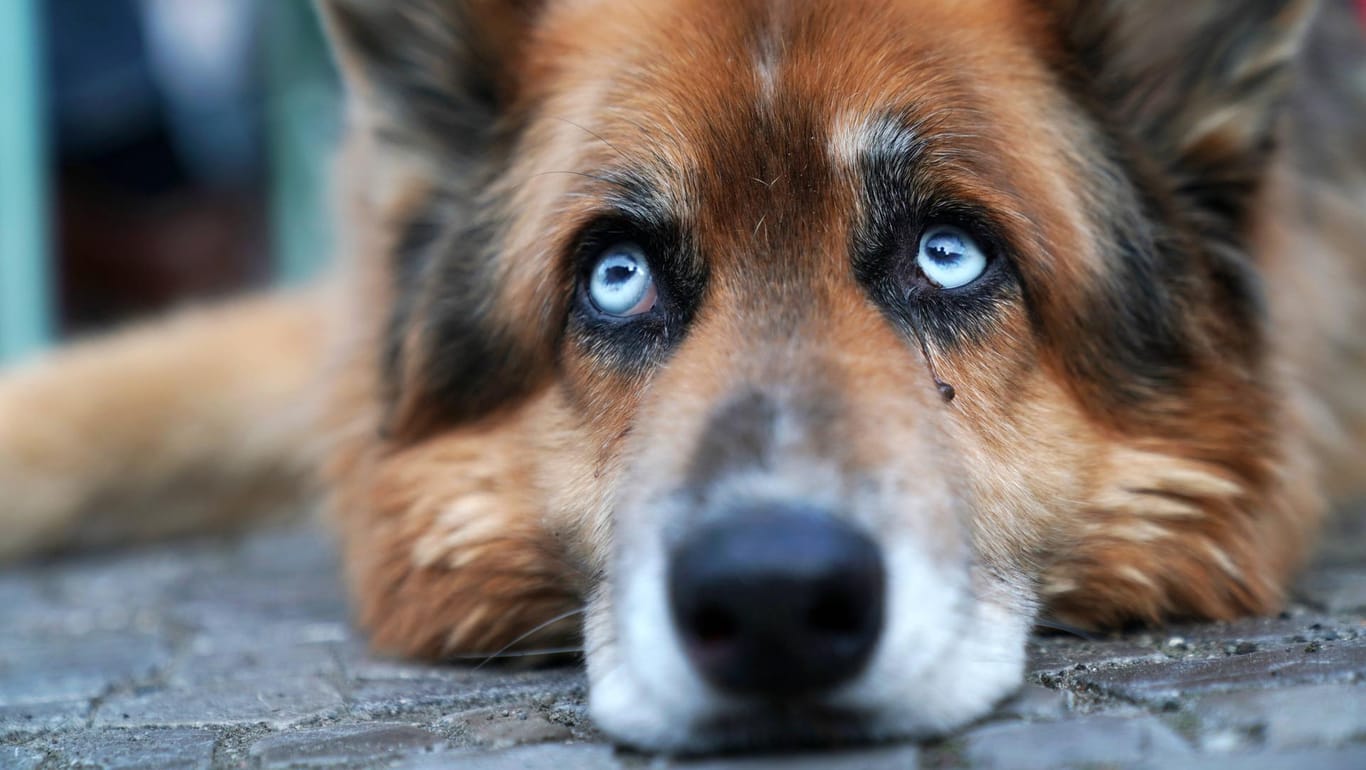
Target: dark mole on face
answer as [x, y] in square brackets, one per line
[946, 390]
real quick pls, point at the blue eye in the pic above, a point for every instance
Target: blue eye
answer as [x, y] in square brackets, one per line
[950, 258]
[621, 284]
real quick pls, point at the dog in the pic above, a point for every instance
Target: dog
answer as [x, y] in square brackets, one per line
[800, 355]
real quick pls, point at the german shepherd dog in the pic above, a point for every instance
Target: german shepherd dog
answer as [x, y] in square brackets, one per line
[803, 355]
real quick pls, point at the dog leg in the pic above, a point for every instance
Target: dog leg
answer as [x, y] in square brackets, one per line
[182, 425]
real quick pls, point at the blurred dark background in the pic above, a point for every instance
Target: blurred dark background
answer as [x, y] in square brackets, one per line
[175, 149]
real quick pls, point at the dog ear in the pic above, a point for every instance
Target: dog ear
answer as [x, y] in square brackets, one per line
[434, 84]
[443, 68]
[1200, 83]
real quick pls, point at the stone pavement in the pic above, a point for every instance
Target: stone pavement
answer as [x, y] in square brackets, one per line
[239, 655]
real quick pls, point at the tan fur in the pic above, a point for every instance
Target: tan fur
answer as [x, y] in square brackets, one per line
[188, 424]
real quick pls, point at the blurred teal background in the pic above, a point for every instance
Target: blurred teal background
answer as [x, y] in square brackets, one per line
[156, 152]
[25, 283]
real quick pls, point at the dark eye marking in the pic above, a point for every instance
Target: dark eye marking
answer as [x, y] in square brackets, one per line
[939, 269]
[637, 287]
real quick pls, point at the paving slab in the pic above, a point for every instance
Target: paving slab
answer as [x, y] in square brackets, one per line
[1298, 717]
[1335, 590]
[1091, 741]
[502, 728]
[1352, 758]
[1311, 663]
[599, 757]
[382, 698]
[45, 668]
[342, 746]
[566, 757]
[885, 758]
[21, 758]
[274, 702]
[44, 717]
[159, 749]
[1059, 653]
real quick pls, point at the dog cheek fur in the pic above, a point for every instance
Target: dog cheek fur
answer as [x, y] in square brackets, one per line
[452, 544]
[1204, 495]
[471, 538]
[462, 553]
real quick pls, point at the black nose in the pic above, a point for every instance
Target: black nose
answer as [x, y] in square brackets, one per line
[778, 601]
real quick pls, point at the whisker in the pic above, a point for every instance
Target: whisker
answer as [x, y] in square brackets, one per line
[1055, 625]
[519, 654]
[595, 135]
[605, 180]
[653, 147]
[501, 652]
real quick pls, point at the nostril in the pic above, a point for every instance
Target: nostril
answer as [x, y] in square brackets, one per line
[712, 626]
[834, 613]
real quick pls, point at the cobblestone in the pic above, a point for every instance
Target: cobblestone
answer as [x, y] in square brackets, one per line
[21, 758]
[160, 749]
[45, 669]
[889, 758]
[241, 655]
[1167, 680]
[571, 757]
[1317, 759]
[278, 703]
[43, 717]
[1091, 741]
[502, 728]
[1336, 590]
[342, 746]
[1319, 715]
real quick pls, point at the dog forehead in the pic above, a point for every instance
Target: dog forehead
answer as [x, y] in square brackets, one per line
[685, 60]
[752, 116]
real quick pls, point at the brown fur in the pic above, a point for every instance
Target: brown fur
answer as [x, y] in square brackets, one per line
[1149, 416]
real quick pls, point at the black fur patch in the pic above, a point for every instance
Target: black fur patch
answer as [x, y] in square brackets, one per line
[439, 325]
[410, 258]
[1150, 75]
[635, 212]
[902, 197]
[1163, 68]
[436, 77]
[470, 366]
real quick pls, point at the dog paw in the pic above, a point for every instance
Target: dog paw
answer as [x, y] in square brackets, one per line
[40, 488]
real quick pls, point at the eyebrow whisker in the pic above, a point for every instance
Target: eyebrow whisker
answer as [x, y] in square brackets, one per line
[595, 135]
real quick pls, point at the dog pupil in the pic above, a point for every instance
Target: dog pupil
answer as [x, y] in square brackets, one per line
[945, 255]
[619, 274]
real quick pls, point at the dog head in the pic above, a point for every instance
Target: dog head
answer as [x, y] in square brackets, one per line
[819, 345]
